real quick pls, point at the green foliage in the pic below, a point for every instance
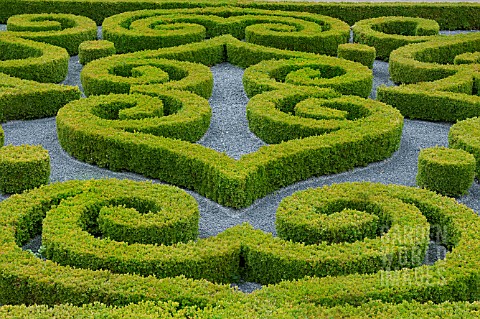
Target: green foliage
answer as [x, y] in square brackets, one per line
[356, 52]
[441, 91]
[465, 135]
[70, 207]
[153, 29]
[386, 34]
[119, 74]
[93, 50]
[343, 76]
[446, 171]
[23, 167]
[467, 58]
[63, 30]
[30, 60]
[23, 100]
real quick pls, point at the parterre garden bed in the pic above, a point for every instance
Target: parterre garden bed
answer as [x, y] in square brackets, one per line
[120, 248]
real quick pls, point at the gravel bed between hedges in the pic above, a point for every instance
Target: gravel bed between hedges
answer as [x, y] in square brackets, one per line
[229, 133]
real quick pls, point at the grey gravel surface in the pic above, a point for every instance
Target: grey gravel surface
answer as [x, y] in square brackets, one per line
[229, 133]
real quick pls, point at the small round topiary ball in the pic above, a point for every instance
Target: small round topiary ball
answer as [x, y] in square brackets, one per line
[23, 167]
[92, 50]
[445, 170]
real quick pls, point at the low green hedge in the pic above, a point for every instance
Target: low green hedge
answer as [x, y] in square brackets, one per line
[31, 60]
[343, 76]
[118, 74]
[153, 29]
[445, 92]
[452, 16]
[356, 52]
[465, 135]
[167, 113]
[23, 167]
[215, 175]
[386, 34]
[63, 30]
[446, 171]
[270, 115]
[251, 310]
[23, 276]
[93, 50]
[23, 100]
[467, 58]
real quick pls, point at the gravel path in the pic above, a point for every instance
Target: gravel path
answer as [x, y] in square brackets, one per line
[229, 133]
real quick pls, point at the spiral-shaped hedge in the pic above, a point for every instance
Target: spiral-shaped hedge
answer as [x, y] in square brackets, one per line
[386, 34]
[405, 215]
[120, 74]
[153, 29]
[438, 89]
[31, 60]
[343, 76]
[63, 30]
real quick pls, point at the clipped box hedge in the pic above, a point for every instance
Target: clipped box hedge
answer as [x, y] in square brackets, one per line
[153, 29]
[215, 175]
[445, 92]
[23, 167]
[386, 34]
[356, 52]
[343, 76]
[446, 171]
[24, 276]
[31, 60]
[23, 99]
[63, 30]
[93, 50]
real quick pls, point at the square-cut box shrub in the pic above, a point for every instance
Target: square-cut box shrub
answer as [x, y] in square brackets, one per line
[92, 50]
[357, 52]
[445, 170]
[23, 167]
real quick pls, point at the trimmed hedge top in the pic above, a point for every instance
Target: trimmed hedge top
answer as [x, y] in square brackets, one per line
[153, 29]
[31, 60]
[63, 30]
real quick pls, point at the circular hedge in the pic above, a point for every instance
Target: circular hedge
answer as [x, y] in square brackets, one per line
[439, 90]
[343, 76]
[63, 30]
[23, 167]
[349, 280]
[447, 171]
[270, 115]
[153, 29]
[31, 60]
[92, 50]
[173, 114]
[386, 34]
[118, 74]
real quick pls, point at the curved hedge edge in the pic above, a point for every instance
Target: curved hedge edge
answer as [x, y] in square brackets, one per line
[449, 99]
[131, 31]
[23, 167]
[356, 52]
[345, 77]
[446, 171]
[454, 279]
[74, 29]
[465, 135]
[432, 60]
[386, 34]
[26, 279]
[31, 60]
[24, 100]
[93, 50]
[451, 16]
